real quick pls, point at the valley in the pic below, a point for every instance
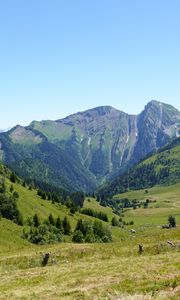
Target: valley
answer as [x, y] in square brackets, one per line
[95, 271]
[89, 150]
[66, 192]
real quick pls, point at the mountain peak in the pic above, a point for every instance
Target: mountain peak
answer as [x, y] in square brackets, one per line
[95, 112]
[156, 103]
[101, 110]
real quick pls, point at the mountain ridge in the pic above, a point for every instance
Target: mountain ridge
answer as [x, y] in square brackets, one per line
[96, 144]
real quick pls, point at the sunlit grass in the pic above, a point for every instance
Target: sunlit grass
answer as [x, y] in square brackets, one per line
[95, 271]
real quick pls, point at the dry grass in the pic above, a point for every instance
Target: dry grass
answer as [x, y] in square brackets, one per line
[96, 271]
[92, 272]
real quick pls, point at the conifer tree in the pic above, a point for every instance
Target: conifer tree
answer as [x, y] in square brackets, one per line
[51, 219]
[59, 224]
[36, 220]
[66, 226]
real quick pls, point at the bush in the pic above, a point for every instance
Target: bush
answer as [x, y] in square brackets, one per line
[15, 195]
[90, 237]
[78, 237]
[13, 177]
[8, 209]
[172, 221]
[114, 222]
[43, 234]
[91, 232]
[101, 232]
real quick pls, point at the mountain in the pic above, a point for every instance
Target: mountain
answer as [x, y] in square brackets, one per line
[162, 167]
[4, 130]
[19, 203]
[30, 154]
[84, 149]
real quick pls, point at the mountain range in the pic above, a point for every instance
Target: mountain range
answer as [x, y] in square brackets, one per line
[82, 150]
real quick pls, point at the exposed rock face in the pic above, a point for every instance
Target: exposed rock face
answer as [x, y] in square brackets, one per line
[102, 141]
[106, 140]
[156, 125]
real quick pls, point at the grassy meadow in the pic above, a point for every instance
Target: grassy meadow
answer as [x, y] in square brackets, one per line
[96, 271]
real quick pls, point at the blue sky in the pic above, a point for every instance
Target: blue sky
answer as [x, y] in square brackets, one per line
[58, 57]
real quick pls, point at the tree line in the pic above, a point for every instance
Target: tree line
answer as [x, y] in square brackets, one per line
[53, 230]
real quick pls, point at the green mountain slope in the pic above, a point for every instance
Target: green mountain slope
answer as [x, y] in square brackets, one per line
[29, 203]
[160, 168]
[85, 271]
[31, 156]
[84, 149]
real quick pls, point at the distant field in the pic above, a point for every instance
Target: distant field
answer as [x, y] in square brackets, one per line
[96, 271]
[167, 202]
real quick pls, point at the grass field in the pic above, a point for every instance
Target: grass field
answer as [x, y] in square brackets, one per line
[165, 202]
[96, 271]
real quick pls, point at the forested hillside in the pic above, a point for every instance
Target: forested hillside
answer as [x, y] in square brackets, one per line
[162, 167]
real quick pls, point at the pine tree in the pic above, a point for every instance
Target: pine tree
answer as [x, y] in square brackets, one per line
[13, 177]
[36, 220]
[80, 226]
[59, 224]
[66, 226]
[51, 220]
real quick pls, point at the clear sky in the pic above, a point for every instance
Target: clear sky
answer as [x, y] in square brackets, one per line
[58, 57]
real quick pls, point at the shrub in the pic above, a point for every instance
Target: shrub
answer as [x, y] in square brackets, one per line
[8, 208]
[13, 177]
[92, 232]
[172, 221]
[15, 195]
[114, 222]
[43, 234]
[101, 232]
[78, 237]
